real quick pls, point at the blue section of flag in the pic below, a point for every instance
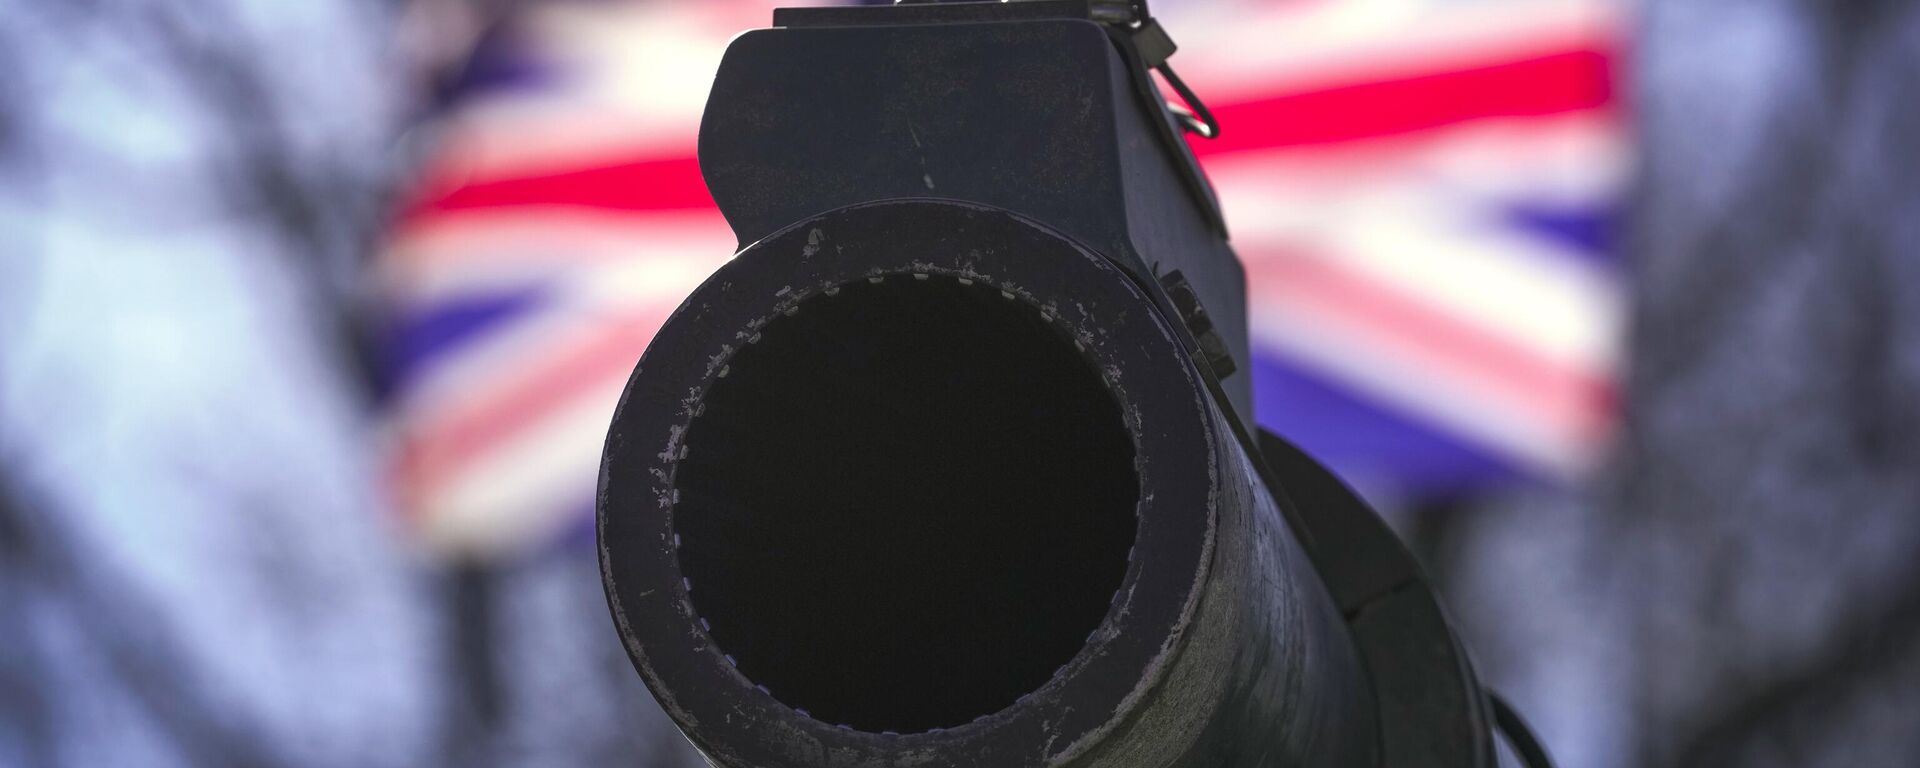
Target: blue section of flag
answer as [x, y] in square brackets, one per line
[1590, 230]
[1365, 441]
[501, 62]
[582, 532]
[425, 335]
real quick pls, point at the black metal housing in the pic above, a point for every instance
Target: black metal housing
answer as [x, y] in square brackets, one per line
[872, 481]
[1037, 115]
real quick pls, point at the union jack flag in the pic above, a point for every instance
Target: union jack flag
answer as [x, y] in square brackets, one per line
[1421, 191]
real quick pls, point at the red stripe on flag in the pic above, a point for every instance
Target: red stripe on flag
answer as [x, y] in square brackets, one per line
[653, 184]
[1581, 401]
[1552, 84]
[432, 453]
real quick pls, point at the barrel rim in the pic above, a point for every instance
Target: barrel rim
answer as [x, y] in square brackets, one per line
[724, 713]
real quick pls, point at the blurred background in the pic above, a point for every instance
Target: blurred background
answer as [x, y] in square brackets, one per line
[312, 316]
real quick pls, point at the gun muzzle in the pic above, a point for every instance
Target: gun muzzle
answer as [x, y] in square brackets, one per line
[924, 483]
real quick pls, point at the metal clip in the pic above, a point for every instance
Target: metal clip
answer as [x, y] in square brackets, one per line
[1153, 46]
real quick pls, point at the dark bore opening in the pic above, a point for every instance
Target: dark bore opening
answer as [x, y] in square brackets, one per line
[907, 505]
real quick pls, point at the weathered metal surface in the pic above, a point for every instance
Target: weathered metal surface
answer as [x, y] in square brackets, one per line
[1039, 116]
[1221, 647]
